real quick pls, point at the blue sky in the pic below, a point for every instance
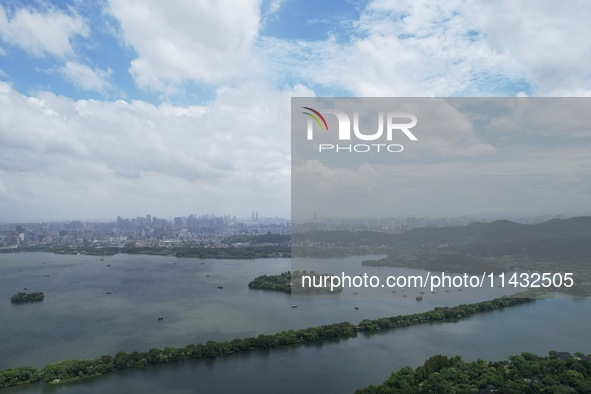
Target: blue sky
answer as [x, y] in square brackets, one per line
[131, 107]
[97, 46]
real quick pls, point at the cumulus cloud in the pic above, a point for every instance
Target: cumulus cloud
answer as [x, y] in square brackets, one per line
[86, 77]
[102, 158]
[192, 41]
[39, 34]
[97, 159]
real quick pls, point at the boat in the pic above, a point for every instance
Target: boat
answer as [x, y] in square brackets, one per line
[419, 298]
[160, 318]
[108, 292]
[220, 287]
[294, 306]
[356, 308]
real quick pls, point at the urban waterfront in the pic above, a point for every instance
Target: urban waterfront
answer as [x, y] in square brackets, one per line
[78, 319]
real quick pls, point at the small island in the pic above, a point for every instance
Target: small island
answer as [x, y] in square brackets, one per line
[279, 282]
[288, 281]
[20, 297]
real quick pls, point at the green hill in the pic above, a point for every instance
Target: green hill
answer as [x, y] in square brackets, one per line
[500, 246]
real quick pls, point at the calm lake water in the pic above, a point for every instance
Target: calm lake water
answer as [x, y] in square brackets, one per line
[78, 319]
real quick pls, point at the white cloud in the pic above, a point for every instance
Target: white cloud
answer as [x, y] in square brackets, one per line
[420, 48]
[453, 48]
[547, 41]
[274, 6]
[87, 78]
[203, 41]
[102, 157]
[42, 33]
[96, 159]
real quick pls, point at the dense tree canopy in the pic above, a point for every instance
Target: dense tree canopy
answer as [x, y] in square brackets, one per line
[27, 297]
[524, 373]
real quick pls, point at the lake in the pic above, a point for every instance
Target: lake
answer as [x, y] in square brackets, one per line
[78, 319]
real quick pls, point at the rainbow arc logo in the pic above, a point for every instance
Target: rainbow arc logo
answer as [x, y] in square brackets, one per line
[317, 116]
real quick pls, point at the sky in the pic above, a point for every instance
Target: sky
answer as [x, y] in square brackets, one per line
[129, 107]
[488, 157]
